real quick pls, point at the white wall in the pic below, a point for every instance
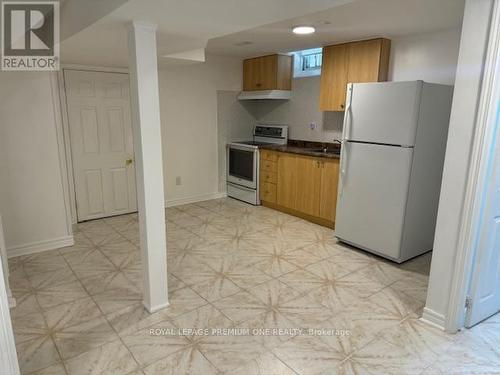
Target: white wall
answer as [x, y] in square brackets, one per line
[431, 57]
[31, 192]
[458, 155]
[188, 105]
[234, 123]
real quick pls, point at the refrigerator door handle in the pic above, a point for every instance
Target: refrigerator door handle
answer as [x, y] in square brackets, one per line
[345, 137]
[347, 116]
[343, 166]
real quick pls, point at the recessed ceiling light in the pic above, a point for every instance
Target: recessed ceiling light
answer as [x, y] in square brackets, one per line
[244, 43]
[303, 30]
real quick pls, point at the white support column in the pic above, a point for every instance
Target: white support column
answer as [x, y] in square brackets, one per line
[149, 163]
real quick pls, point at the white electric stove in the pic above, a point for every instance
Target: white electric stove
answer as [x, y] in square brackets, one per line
[243, 161]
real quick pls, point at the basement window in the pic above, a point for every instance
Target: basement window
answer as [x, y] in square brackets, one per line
[307, 63]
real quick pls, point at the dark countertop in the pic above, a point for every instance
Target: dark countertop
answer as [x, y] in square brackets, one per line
[307, 148]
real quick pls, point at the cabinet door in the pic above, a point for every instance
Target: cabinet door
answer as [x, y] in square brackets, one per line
[308, 185]
[329, 188]
[334, 78]
[286, 191]
[364, 61]
[284, 72]
[250, 74]
[266, 78]
[268, 192]
[260, 73]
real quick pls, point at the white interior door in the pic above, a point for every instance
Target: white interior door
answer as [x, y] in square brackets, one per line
[485, 283]
[372, 197]
[101, 143]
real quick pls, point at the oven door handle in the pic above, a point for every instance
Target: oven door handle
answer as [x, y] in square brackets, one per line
[241, 187]
[242, 148]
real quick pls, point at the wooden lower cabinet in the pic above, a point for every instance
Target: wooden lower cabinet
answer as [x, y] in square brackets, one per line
[307, 198]
[268, 192]
[329, 189]
[286, 189]
[303, 186]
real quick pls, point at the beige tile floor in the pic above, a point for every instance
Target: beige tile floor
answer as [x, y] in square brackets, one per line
[233, 266]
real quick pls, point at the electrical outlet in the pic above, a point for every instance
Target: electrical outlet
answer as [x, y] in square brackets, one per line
[312, 125]
[178, 181]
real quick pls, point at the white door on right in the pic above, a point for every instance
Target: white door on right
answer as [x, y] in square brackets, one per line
[485, 284]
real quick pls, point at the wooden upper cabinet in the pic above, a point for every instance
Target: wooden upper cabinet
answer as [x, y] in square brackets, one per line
[363, 61]
[368, 61]
[334, 77]
[273, 72]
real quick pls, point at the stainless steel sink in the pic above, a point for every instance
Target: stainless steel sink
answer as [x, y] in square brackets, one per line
[325, 150]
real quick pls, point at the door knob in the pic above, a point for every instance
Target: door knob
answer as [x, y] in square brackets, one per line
[129, 161]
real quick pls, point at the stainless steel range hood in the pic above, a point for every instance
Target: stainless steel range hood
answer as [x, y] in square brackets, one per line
[265, 94]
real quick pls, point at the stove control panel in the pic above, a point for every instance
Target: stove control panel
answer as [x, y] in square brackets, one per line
[271, 131]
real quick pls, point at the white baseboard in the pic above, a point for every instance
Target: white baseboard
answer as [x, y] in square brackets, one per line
[197, 198]
[37, 247]
[433, 318]
[12, 302]
[153, 309]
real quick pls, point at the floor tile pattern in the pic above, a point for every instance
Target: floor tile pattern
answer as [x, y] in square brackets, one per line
[254, 276]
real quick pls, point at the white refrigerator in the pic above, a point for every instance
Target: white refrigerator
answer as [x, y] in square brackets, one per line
[393, 148]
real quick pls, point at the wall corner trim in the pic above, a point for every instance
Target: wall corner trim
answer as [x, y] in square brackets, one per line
[38, 247]
[433, 318]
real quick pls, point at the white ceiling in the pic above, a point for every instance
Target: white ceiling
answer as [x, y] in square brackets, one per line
[78, 14]
[353, 21]
[182, 25]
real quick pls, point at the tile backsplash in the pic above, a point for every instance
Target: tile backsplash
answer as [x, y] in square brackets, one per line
[300, 112]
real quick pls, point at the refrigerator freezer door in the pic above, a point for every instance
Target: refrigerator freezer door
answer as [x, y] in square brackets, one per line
[372, 197]
[385, 112]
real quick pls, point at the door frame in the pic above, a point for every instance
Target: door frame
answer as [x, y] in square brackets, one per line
[477, 184]
[9, 364]
[70, 182]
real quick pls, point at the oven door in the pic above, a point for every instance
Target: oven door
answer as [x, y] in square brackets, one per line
[242, 165]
